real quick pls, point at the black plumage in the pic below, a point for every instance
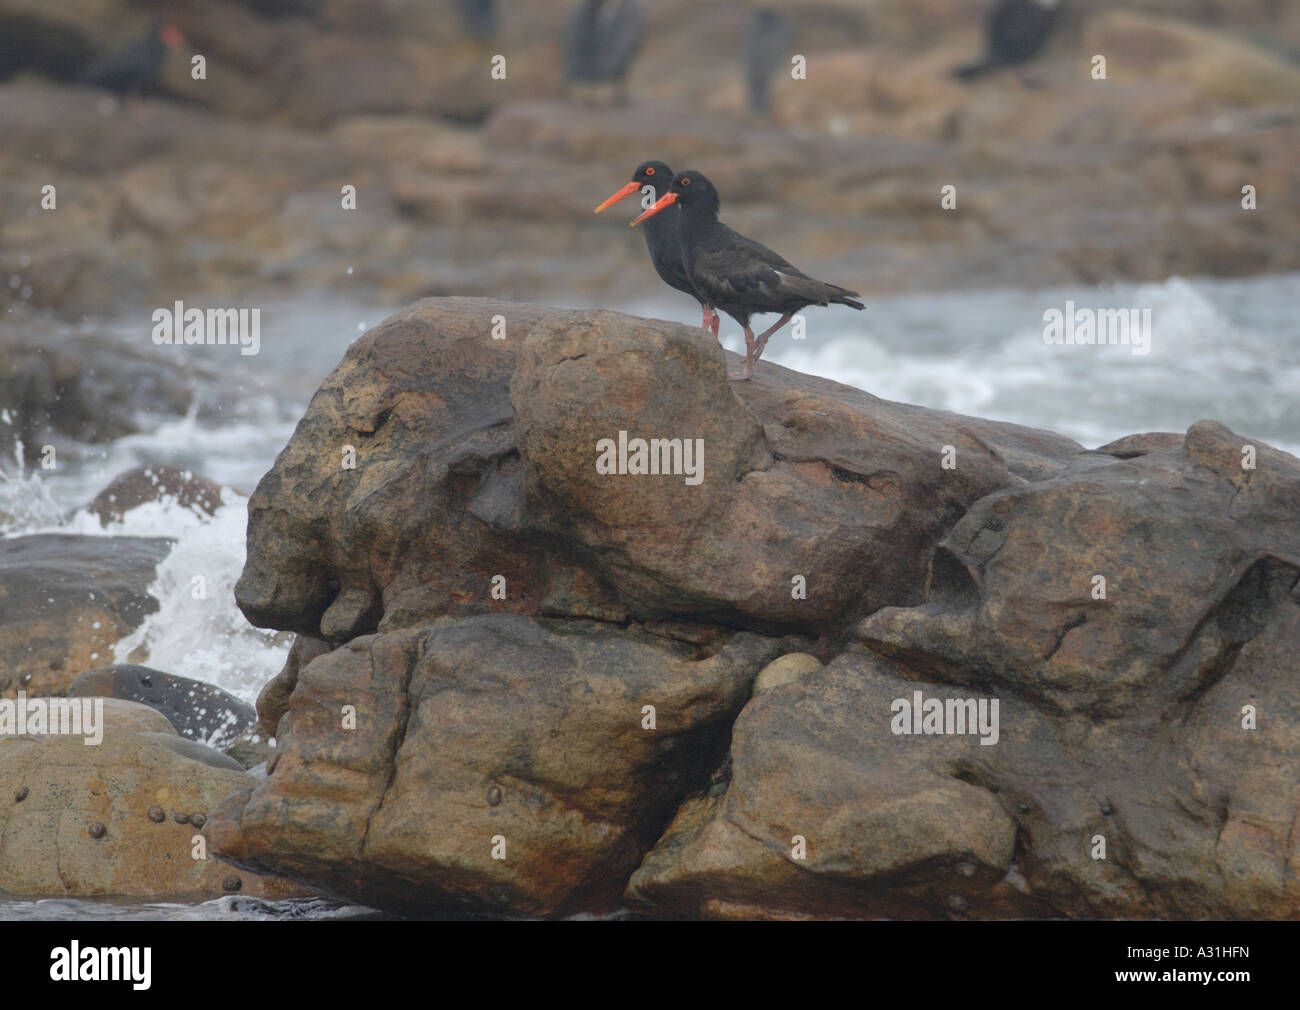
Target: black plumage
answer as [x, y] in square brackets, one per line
[766, 50]
[479, 18]
[1016, 31]
[601, 44]
[661, 236]
[135, 68]
[735, 274]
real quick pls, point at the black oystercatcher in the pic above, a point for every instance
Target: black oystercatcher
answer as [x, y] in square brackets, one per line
[601, 45]
[661, 234]
[479, 18]
[735, 274]
[1017, 30]
[134, 69]
[766, 49]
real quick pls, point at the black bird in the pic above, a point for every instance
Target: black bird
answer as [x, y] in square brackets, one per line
[600, 45]
[134, 68]
[1017, 30]
[735, 274]
[766, 49]
[661, 234]
[479, 18]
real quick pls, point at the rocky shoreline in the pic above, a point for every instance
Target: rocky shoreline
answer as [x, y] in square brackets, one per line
[466, 184]
[878, 661]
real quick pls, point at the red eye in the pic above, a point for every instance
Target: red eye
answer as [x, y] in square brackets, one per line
[649, 171]
[686, 182]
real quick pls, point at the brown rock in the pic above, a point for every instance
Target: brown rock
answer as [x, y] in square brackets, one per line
[802, 477]
[493, 733]
[66, 600]
[273, 701]
[1138, 719]
[133, 717]
[786, 669]
[156, 482]
[86, 827]
[830, 815]
[83, 388]
[1139, 46]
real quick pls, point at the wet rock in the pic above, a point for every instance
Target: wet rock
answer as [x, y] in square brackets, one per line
[155, 483]
[65, 600]
[83, 388]
[401, 809]
[86, 828]
[252, 747]
[196, 709]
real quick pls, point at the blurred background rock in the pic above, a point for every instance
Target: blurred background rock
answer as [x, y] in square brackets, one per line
[230, 186]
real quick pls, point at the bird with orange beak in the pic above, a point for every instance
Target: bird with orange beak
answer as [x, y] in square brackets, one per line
[135, 68]
[652, 178]
[735, 274]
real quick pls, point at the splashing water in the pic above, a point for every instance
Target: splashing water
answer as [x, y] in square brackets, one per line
[197, 631]
[25, 499]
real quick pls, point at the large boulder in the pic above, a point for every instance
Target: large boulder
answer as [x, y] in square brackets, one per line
[528, 685]
[489, 765]
[437, 461]
[1146, 755]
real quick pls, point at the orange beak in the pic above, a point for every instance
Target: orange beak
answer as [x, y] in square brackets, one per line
[627, 190]
[667, 200]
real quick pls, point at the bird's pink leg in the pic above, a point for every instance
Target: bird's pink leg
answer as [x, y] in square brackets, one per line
[707, 319]
[717, 319]
[748, 371]
[763, 337]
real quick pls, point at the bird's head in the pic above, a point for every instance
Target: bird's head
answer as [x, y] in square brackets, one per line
[690, 189]
[653, 177]
[171, 35]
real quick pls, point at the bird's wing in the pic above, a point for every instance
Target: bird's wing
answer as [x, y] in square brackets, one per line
[737, 266]
[121, 66]
[733, 267]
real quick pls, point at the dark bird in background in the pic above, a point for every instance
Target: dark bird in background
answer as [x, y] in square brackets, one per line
[661, 234]
[1017, 30]
[479, 18]
[134, 69]
[46, 46]
[766, 49]
[600, 44]
[735, 274]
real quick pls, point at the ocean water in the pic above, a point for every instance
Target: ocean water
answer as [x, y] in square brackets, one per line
[1222, 349]
[1228, 350]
